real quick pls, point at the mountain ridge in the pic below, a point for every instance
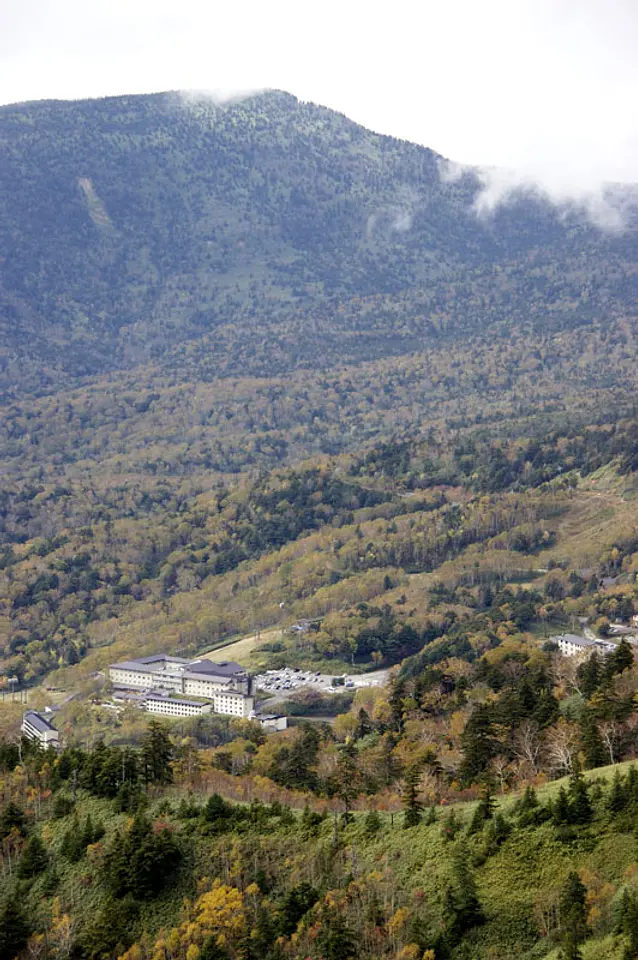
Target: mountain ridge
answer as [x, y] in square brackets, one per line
[135, 224]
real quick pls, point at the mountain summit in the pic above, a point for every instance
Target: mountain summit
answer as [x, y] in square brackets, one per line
[131, 225]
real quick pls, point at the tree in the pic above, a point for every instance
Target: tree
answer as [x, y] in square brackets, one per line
[526, 746]
[347, 778]
[629, 924]
[479, 744]
[573, 917]
[623, 657]
[562, 744]
[140, 861]
[591, 741]
[14, 927]
[156, 754]
[579, 804]
[34, 859]
[484, 809]
[336, 940]
[12, 818]
[294, 906]
[561, 811]
[411, 801]
[462, 909]
[589, 675]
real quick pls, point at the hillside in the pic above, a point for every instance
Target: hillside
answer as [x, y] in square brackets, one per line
[198, 298]
[160, 866]
[135, 226]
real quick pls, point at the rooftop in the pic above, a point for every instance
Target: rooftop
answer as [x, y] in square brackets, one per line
[40, 723]
[183, 703]
[160, 663]
[577, 641]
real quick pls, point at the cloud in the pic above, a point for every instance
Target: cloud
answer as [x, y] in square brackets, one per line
[543, 87]
[607, 206]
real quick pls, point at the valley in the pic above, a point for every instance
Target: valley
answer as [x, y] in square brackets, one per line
[274, 392]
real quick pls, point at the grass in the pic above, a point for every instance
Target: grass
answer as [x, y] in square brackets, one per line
[243, 650]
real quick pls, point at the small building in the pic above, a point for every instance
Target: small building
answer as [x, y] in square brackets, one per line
[272, 721]
[571, 645]
[173, 707]
[36, 727]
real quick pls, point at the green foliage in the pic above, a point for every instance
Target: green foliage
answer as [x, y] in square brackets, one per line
[14, 927]
[34, 859]
[140, 860]
[156, 754]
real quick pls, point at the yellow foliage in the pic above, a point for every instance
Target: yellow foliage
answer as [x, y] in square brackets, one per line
[134, 953]
[221, 912]
[410, 952]
[398, 921]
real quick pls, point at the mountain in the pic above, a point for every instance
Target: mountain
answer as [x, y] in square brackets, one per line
[218, 320]
[135, 226]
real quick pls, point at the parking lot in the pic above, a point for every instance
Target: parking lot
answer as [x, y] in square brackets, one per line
[287, 681]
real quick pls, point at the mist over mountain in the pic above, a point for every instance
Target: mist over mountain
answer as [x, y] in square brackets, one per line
[132, 226]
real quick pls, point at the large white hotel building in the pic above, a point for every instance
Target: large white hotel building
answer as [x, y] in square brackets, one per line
[226, 685]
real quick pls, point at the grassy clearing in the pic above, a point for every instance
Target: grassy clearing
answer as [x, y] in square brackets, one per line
[243, 651]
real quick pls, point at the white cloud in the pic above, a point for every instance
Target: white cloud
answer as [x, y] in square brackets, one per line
[543, 87]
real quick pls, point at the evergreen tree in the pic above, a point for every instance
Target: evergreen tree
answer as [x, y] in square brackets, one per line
[573, 918]
[372, 823]
[618, 794]
[294, 906]
[484, 809]
[623, 657]
[347, 779]
[73, 845]
[156, 754]
[591, 741]
[561, 812]
[411, 802]
[34, 859]
[589, 675]
[580, 810]
[364, 724]
[529, 811]
[14, 928]
[140, 861]
[629, 925]
[462, 909]
[336, 940]
[12, 818]
[478, 743]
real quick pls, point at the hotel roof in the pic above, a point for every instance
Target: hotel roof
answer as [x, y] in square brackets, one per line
[185, 703]
[191, 668]
[38, 722]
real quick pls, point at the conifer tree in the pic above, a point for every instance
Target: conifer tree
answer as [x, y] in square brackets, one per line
[14, 928]
[156, 754]
[573, 917]
[591, 741]
[411, 802]
[34, 859]
[580, 810]
[484, 809]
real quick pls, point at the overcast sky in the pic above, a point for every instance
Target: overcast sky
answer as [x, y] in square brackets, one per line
[548, 87]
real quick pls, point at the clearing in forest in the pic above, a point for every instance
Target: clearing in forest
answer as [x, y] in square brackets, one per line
[241, 650]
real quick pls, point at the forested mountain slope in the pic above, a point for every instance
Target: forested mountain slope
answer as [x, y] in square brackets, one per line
[196, 298]
[133, 225]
